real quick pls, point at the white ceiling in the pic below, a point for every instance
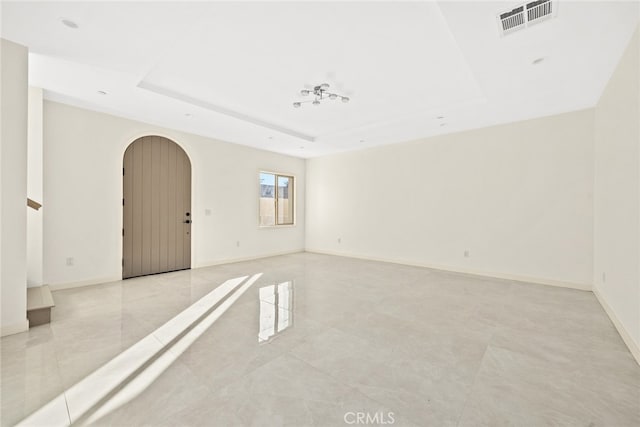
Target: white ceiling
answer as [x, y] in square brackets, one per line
[236, 68]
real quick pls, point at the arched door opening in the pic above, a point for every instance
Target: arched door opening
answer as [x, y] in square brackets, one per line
[156, 207]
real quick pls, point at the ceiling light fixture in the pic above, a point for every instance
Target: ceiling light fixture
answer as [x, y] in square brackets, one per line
[537, 61]
[320, 93]
[69, 23]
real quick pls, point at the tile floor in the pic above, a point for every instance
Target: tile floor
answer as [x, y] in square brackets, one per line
[320, 341]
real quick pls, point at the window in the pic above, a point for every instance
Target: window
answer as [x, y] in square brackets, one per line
[276, 199]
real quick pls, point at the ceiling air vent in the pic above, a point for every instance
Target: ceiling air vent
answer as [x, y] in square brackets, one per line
[526, 15]
[512, 21]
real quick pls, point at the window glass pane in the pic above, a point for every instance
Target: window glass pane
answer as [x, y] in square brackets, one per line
[285, 200]
[267, 199]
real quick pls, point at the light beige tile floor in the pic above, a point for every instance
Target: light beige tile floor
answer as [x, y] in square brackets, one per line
[423, 347]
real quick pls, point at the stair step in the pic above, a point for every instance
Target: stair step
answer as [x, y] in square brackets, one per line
[39, 303]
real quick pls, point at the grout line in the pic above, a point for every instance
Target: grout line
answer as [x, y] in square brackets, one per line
[475, 381]
[475, 378]
[66, 404]
[340, 380]
[62, 384]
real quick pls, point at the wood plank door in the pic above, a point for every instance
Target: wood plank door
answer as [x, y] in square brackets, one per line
[156, 207]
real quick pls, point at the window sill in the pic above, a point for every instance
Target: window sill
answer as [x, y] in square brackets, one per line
[263, 227]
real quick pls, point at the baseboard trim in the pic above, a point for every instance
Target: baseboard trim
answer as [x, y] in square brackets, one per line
[243, 259]
[91, 282]
[82, 283]
[15, 328]
[626, 337]
[517, 278]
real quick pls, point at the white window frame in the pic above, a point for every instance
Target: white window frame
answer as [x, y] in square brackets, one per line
[295, 198]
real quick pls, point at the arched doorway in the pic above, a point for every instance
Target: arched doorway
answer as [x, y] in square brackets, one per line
[156, 207]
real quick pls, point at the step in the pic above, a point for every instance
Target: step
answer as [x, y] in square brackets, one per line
[39, 303]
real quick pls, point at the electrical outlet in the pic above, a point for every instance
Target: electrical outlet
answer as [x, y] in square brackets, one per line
[466, 253]
[604, 277]
[207, 212]
[238, 243]
[339, 239]
[70, 261]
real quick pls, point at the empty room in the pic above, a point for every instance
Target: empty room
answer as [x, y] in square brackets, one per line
[303, 213]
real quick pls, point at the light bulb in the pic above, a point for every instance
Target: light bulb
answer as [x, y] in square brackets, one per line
[304, 92]
[345, 99]
[333, 96]
[296, 105]
[324, 86]
[316, 102]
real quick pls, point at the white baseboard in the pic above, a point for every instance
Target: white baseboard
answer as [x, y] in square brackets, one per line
[634, 347]
[251, 258]
[631, 344]
[89, 282]
[517, 278]
[15, 328]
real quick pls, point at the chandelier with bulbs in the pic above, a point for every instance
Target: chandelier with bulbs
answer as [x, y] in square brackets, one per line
[320, 93]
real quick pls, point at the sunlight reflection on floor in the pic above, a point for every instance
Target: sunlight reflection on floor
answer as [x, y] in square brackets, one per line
[132, 371]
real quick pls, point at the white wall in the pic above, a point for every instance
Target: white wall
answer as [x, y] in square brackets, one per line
[83, 196]
[13, 183]
[34, 188]
[518, 197]
[617, 197]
